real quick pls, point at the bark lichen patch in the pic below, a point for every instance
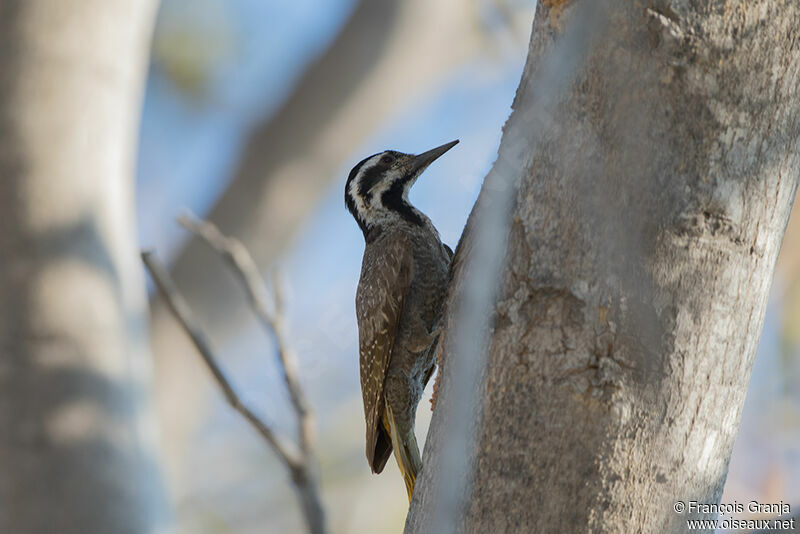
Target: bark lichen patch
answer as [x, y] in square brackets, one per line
[555, 4]
[709, 225]
[667, 20]
[599, 369]
[555, 9]
[555, 334]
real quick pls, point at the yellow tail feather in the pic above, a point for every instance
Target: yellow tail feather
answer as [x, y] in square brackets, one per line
[406, 452]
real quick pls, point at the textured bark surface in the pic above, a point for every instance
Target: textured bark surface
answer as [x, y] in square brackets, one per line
[76, 451]
[641, 247]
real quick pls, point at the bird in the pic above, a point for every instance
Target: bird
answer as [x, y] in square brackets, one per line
[399, 302]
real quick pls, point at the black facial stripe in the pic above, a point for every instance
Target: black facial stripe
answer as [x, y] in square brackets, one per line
[371, 177]
[392, 199]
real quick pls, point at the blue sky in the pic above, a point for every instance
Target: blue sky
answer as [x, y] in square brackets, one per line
[255, 51]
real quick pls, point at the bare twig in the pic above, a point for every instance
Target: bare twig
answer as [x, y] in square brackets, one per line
[271, 317]
[299, 460]
[183, 313]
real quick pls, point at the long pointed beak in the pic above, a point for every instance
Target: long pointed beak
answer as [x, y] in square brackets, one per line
[426, 158]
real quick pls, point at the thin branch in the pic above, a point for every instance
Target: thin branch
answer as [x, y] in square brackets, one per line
[180, 309]
[271, 317]
[300, 459]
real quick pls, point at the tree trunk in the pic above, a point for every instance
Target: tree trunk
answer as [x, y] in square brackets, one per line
[647, 213]
[76, 447]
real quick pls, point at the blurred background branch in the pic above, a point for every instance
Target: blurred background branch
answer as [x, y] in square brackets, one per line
[299, 460]
[270, 312]
[180, 309]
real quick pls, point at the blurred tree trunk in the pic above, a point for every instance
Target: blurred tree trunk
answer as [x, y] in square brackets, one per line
[76, 442]
[651, 203]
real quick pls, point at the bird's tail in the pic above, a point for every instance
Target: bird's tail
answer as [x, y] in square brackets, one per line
[406, 451]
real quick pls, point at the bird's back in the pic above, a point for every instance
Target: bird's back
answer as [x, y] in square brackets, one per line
[425, 293]
[398, 303]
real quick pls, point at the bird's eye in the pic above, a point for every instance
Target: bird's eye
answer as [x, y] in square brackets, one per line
[387, 159]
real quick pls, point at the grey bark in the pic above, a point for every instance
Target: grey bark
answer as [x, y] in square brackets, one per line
[77, 451]
[647, 217]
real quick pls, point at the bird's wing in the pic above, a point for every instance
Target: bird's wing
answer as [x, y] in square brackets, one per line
[385, 280]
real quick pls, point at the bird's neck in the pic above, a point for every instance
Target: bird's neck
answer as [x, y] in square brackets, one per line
[404, 216]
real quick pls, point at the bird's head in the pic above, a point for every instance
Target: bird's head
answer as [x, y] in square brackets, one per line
[377, 188]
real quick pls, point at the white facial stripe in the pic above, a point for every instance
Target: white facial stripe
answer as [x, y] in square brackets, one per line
[361, 207]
